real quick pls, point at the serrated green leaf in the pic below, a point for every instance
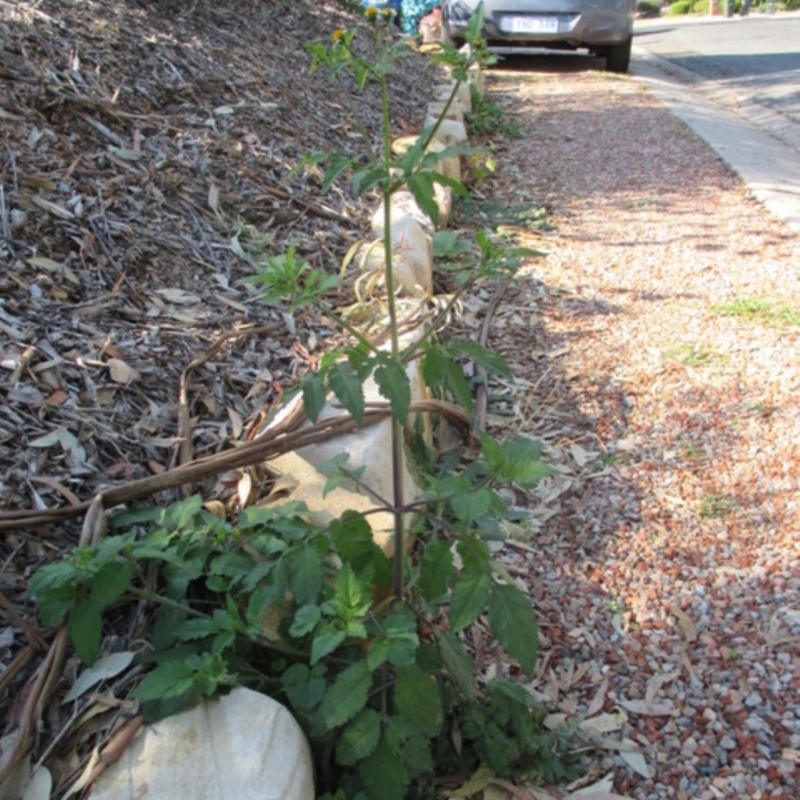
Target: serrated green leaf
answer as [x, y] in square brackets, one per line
[474, 553]
[513, 622]
[448, 244]
[401, 635]
[326, 640]
[348, 389]
[359, 738]
[378, 652]
[457, 384]
[394, 385]
[416, 697]
[383, 774]
[365, 179]
[85, 630]
[523, 458]
[493, 452]
[170, 679]
[352, 536]
[305, 573]
[436, 569]
[489, 360]
[303, 687]
[421, 187]
[458, 663]
[352, 598]
[193, 629]
[305, 620]
[346, 696]
[472, 505]
[410, 744]
[313, 386]
[470, 595]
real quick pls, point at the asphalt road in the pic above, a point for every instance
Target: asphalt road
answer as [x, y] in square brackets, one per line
[736, 82]
[751, 65]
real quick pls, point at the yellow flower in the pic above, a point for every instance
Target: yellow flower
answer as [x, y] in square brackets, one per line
[337, 35]
[371, 12]
[388, 13]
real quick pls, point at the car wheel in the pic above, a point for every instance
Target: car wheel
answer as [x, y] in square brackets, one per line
[618, 56]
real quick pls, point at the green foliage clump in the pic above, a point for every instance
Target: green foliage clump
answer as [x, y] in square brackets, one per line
[648, 9]
[680, 8]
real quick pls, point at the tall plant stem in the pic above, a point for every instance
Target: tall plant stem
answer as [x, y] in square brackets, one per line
[397, 428]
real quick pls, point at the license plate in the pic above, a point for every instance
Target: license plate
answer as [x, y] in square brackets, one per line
[532, 25]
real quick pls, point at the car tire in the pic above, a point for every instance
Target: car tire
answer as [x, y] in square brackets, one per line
[618, 56]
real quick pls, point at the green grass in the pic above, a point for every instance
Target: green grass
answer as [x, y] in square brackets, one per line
[692, 356]
[758, 310]
[714, 506]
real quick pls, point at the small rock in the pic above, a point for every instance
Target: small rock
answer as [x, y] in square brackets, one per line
[753, 700]
[245, 745]
[727, 743]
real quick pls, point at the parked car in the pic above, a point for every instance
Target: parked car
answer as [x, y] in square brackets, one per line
[603, 27]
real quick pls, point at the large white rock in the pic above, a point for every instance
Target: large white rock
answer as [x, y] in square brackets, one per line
[412, 257]
[402, 204]
[245, 746]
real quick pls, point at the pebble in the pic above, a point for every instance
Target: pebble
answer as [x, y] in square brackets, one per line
[727, 743]
[753, 700]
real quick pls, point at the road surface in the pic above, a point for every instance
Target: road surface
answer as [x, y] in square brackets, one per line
[736, 82]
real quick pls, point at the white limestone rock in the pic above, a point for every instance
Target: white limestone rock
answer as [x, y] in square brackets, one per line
[244, 745]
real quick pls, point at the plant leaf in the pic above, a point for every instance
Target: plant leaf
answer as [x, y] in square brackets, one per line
[85, 630]
[326, 640]
[383, 774]
[421, 187]
[359, 738]
[305, 573]
[436, 569]
[305, 620]
[168, 680]
[470, 595]
[394, 385]
[416, 697]
[313, 395]
[513, 622]
[346, 696]
[347, 387]
[458, 663]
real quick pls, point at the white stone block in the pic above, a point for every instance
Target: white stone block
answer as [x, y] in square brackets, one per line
[449, 133]
[412, 258]
[244, 745]
[444, 201]
[454, 111]
[402, 204]
[463, 95]
[450, 166]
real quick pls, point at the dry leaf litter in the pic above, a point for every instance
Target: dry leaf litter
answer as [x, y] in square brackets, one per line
[148, 153]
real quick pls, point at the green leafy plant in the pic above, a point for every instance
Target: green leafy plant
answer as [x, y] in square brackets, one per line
[367, 649]
[487, 119]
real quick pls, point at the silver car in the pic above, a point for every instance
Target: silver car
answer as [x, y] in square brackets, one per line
[604, 27]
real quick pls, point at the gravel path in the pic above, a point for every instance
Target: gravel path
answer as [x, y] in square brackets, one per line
[664, 555]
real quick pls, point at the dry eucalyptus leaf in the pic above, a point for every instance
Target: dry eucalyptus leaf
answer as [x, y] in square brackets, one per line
[104, 668]
[634, 759]
[121, 372]
[179, 296]
[604, 723]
